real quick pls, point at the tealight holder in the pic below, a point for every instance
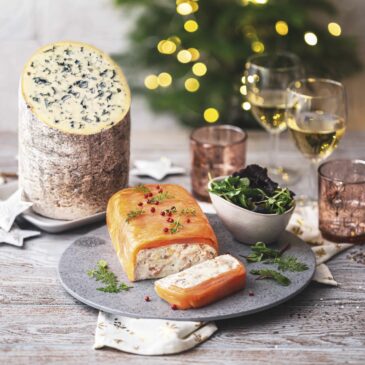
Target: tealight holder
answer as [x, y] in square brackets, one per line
[342, 200]
[215, 151]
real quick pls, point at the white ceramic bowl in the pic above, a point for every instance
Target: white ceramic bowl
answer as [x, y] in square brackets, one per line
[247, 226]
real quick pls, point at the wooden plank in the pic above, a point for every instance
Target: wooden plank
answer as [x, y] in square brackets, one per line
[41, 324]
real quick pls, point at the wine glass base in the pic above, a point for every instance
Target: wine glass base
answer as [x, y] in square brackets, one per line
[284, 176]
[306, 201]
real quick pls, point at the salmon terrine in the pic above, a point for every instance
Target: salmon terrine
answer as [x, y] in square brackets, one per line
[158, 230]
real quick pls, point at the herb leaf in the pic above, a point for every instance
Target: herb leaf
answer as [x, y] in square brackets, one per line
[188, 211]
[261, 252]
[176, 226]
[102, 273]
[271, 274]
[161, 196]
[288, 263]
[133, 214]
[142, 189]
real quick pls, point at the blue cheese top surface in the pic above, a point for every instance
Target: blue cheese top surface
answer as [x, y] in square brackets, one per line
[75, 88]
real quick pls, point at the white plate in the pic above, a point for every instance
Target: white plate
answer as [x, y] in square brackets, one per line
[48, 224]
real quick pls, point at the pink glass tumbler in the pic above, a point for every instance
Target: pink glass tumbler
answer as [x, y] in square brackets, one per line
[342, 200]
[215, 150]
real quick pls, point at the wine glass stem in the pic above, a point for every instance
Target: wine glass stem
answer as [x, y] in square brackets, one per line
[312, 181]
[274, 151]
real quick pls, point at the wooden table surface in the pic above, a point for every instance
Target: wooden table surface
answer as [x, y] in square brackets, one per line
[41, 324]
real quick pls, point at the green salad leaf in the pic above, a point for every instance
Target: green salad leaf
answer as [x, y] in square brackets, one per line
[252, 189]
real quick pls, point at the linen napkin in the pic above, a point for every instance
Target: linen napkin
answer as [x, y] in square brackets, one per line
[304, 223]
[150, 336]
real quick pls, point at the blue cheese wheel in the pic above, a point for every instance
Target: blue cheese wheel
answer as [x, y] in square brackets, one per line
[74, 130]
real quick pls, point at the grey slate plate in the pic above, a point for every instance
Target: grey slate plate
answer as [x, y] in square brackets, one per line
[84, 253]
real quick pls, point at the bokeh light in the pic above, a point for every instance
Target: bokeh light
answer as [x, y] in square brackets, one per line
[164, 79]
[256, 2]
[258, 47]
[334, 29]
[194, 5]
[192, 84]
[250, 79]
[191, 26]
[246, 105]
[211, 115]
[175, 39]
[166, 47]
[184, 56]
[151, 82]
[310, 38]
[195, 54]
[281, 27]
[184, 8]
[243, 90]
[199, 69]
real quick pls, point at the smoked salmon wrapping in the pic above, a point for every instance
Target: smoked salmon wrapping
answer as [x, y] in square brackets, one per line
[158, 230]
[203, 284]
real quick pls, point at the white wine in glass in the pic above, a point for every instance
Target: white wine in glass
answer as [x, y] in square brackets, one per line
[267, 78]
[316, 118]
[316, 134]
[268, 108]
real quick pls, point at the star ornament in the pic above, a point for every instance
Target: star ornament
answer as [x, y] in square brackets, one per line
[16, 236]
[11, 208]
[157, 169]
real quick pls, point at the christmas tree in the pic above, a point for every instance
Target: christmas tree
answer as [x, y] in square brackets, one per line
[188, 57]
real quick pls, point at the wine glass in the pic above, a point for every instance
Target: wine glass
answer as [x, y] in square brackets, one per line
[267, 78]
[316, 117]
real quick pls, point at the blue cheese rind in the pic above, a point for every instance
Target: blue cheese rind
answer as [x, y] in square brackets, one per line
[68, 166]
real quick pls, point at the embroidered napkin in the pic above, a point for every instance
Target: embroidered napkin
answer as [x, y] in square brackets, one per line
[150, 336]
[157, 169]
[304, 223]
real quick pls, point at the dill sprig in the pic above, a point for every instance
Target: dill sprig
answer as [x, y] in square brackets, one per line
[161, 196]
[261, 252]
[188, 211]
[107, 277]
[271, 274]
[171, 210]
[288, 263]
[175, 226]
[133, 214]
[142, 189]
